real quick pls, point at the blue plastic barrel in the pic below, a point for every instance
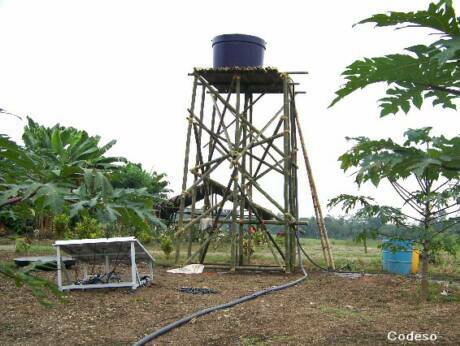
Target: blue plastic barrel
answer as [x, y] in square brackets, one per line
[237, 50]
[400, 261]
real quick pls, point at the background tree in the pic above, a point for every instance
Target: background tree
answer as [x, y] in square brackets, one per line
[429, 193]
[133, 176]
[62, 169]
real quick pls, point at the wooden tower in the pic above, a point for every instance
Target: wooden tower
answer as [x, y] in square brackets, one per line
[236, 154]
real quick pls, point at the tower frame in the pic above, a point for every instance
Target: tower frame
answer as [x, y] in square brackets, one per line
[234, 141]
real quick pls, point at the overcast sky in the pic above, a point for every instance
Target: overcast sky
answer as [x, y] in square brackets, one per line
[119, 69]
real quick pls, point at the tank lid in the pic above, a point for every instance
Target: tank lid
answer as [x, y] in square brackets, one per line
[238, 38]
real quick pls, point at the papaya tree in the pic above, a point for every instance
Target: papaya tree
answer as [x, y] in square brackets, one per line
[428, 192]
[421, 72]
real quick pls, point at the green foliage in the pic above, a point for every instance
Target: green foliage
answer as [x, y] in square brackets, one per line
[166, 245]
[440, 17]
[60, 168]
[385, 159]
[63, 172]
[144, 236]
[432, 208]
[39, 287]
[18, 218]
[66, 149]
[21, 245]
[61, 225]
[258, 238]
[133, 207]
[442, 293]
[133, 176]
[87, 228]
[425, 72]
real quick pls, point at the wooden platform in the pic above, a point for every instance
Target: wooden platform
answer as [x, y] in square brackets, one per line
[266, 80]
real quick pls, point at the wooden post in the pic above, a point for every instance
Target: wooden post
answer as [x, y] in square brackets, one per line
[251, 172]
[286, 169]
[234, 247]
[185, 173]
[198, 160]
[316, 205]
[293, 178]
[243, 182]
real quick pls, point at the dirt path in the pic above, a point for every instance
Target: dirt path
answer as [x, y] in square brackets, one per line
[325, 310]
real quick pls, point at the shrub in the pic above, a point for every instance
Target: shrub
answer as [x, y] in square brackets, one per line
[61, 225]
[166, 245]
[21, 245]
[144, 236]
[87, 228]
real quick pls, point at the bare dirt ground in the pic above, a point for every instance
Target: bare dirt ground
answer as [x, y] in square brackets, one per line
[326, 309]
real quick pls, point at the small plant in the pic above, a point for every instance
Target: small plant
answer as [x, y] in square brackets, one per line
[144, 236]
[22, 245]
[248, 247]
[61, 225]
[441, 293]
[87, 228]
[280, 238]
[41, 288]
[166, 245]
[363, 236]
[258, 238]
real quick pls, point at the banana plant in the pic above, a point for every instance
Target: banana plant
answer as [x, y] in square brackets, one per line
[133, 207]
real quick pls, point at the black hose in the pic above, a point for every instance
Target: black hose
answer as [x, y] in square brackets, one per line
[329, 270]
[203, 312]
[309, 258]
[240, 300]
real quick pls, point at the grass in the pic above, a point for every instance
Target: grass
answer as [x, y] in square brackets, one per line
[339, 312]
[435, 295]
[347, 254]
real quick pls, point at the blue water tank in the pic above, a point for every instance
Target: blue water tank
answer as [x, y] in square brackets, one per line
[237, 50]
[399, 261]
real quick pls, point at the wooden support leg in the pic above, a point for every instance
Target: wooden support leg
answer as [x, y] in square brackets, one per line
[286, 169]
[185, 174]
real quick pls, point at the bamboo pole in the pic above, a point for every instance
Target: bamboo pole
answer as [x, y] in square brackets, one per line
[233, 111]
[268, 170]
[242, 155]
[234, 248]
[219, 212]
[249, 188]
[287, 228]
[293, 177]
[198, 159]
[316, 205]
[275, 132]
[256, 213]
[248, 108]
[185, 172]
